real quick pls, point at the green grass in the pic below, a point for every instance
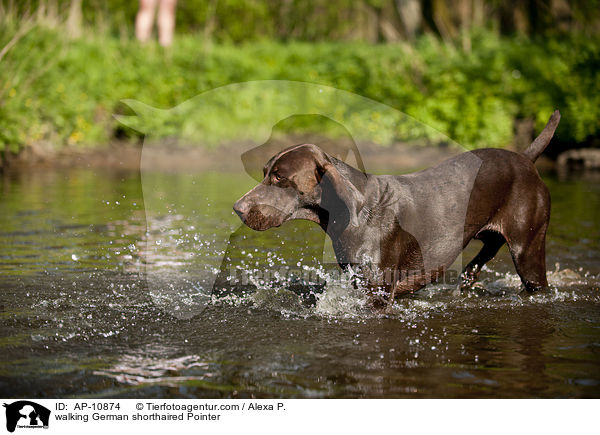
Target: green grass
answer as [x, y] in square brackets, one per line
[65, 91]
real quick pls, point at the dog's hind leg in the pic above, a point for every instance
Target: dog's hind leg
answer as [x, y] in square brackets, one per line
[530, 261]
[526, 239]
[492, 242]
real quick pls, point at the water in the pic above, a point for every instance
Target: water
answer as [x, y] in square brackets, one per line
[78, 319]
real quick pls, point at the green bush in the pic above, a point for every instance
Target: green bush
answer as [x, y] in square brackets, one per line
[65, 91]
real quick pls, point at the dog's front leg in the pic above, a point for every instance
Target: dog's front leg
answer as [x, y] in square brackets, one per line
[381, 298]
[407, 285]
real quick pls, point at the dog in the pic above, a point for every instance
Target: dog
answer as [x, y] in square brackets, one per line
[403, 232]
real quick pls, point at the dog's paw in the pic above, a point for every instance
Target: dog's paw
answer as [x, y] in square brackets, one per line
[467, 282]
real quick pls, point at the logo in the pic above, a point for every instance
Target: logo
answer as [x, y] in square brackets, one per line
[186, 269]
[26, 414]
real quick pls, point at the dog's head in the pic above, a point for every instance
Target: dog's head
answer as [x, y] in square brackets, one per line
[300, 182]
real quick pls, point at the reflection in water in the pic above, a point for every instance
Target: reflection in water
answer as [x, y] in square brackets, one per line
[78, 319]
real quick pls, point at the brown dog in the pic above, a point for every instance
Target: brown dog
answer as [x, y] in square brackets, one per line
[405, 231]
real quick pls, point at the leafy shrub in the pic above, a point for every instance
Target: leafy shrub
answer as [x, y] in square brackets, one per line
[65, 91]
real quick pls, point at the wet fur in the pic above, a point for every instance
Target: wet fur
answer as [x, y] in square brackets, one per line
[401, 224]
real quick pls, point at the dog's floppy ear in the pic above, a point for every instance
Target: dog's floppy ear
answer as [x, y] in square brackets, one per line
[331, 179]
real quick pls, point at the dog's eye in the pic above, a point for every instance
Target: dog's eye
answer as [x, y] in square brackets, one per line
[277, 177]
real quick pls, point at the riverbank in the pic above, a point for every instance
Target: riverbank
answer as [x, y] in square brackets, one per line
[127, 156]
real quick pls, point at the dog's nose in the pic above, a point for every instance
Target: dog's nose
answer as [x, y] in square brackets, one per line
[241, 208]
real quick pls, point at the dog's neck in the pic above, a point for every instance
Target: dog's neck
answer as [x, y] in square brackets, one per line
[347, 233]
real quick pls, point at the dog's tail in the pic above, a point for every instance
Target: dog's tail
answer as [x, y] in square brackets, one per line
[540, 143]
